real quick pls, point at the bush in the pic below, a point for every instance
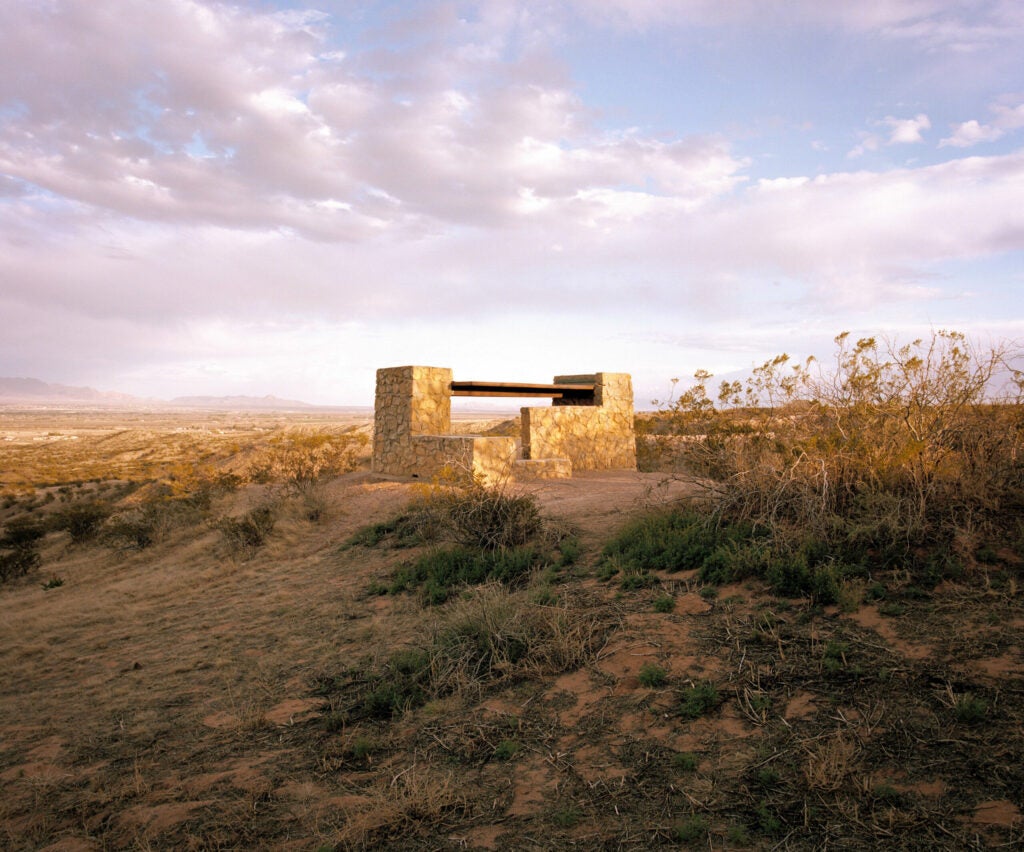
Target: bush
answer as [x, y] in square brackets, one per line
[489, 518]
[698, 700]
[693, 829]
[301, 460]
[82, 521]
[652, 675]
[138, 527]
[246, 534]
[664, 603]
[19, 547]
[682, 539]
[443, 571]
[471, 515]
[894, 455]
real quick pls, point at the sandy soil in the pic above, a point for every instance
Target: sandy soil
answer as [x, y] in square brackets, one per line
[166, 698]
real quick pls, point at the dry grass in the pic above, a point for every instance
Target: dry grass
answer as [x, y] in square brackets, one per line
[167, 698]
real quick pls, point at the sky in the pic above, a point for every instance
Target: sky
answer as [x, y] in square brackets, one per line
[280, 197]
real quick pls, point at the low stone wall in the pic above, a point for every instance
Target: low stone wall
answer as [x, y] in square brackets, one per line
[592, 437]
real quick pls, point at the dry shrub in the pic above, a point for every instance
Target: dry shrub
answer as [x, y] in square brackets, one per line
[463, 510]
[830, 761]
[246, 534]
[497, 634]
[891, 450]
[493, 637]
[300, 460]
[19, 545]
[410, 803]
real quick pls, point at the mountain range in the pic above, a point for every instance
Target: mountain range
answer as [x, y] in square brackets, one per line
[37, 392]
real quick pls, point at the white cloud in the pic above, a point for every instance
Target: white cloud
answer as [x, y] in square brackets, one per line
[283, 134]
[1009, 117]
[970, 133]
[905, 131]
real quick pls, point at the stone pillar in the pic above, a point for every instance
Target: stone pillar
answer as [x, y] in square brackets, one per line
[410, 401]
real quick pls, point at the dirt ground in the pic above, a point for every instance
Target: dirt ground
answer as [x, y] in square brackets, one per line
[170, 698]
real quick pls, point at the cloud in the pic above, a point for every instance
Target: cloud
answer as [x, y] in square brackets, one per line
[905, 131]
[239, 118]
[933, 25]
[901, 131]
[1006, 119]
[185, 185]
[970, 133]
[1009, 117]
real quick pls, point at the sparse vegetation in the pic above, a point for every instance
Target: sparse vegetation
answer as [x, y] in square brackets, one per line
[490, 534]
[298, 709]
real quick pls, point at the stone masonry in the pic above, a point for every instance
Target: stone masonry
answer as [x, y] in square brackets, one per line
[598, 436]
[412, 424]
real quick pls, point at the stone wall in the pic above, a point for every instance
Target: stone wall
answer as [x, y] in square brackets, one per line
[598, 436]
[412, 425]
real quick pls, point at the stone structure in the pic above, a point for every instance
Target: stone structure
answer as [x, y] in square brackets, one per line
[589, 426]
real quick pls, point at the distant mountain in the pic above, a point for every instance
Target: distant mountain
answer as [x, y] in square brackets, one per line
[241, 403]
[40, 392]
[37, 392]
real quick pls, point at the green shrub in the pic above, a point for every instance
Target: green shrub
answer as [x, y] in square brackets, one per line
[970, 709]
[652, 675]
[698, 700]
[506, 750]
[676, 540]
[443, 571]
[664, 603]
[692, 829]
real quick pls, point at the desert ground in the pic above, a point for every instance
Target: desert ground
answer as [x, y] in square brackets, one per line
[204, 691]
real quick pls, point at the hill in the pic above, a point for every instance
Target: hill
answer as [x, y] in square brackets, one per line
[227, 660]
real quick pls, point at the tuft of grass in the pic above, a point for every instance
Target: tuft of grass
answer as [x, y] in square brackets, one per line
[664, 603]
[441, 572]
[506, 750]
[566, 817]
[698, 700]
[692, 829]
[969, 709]
[686, 761]
[492, 636]
[652, 675]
